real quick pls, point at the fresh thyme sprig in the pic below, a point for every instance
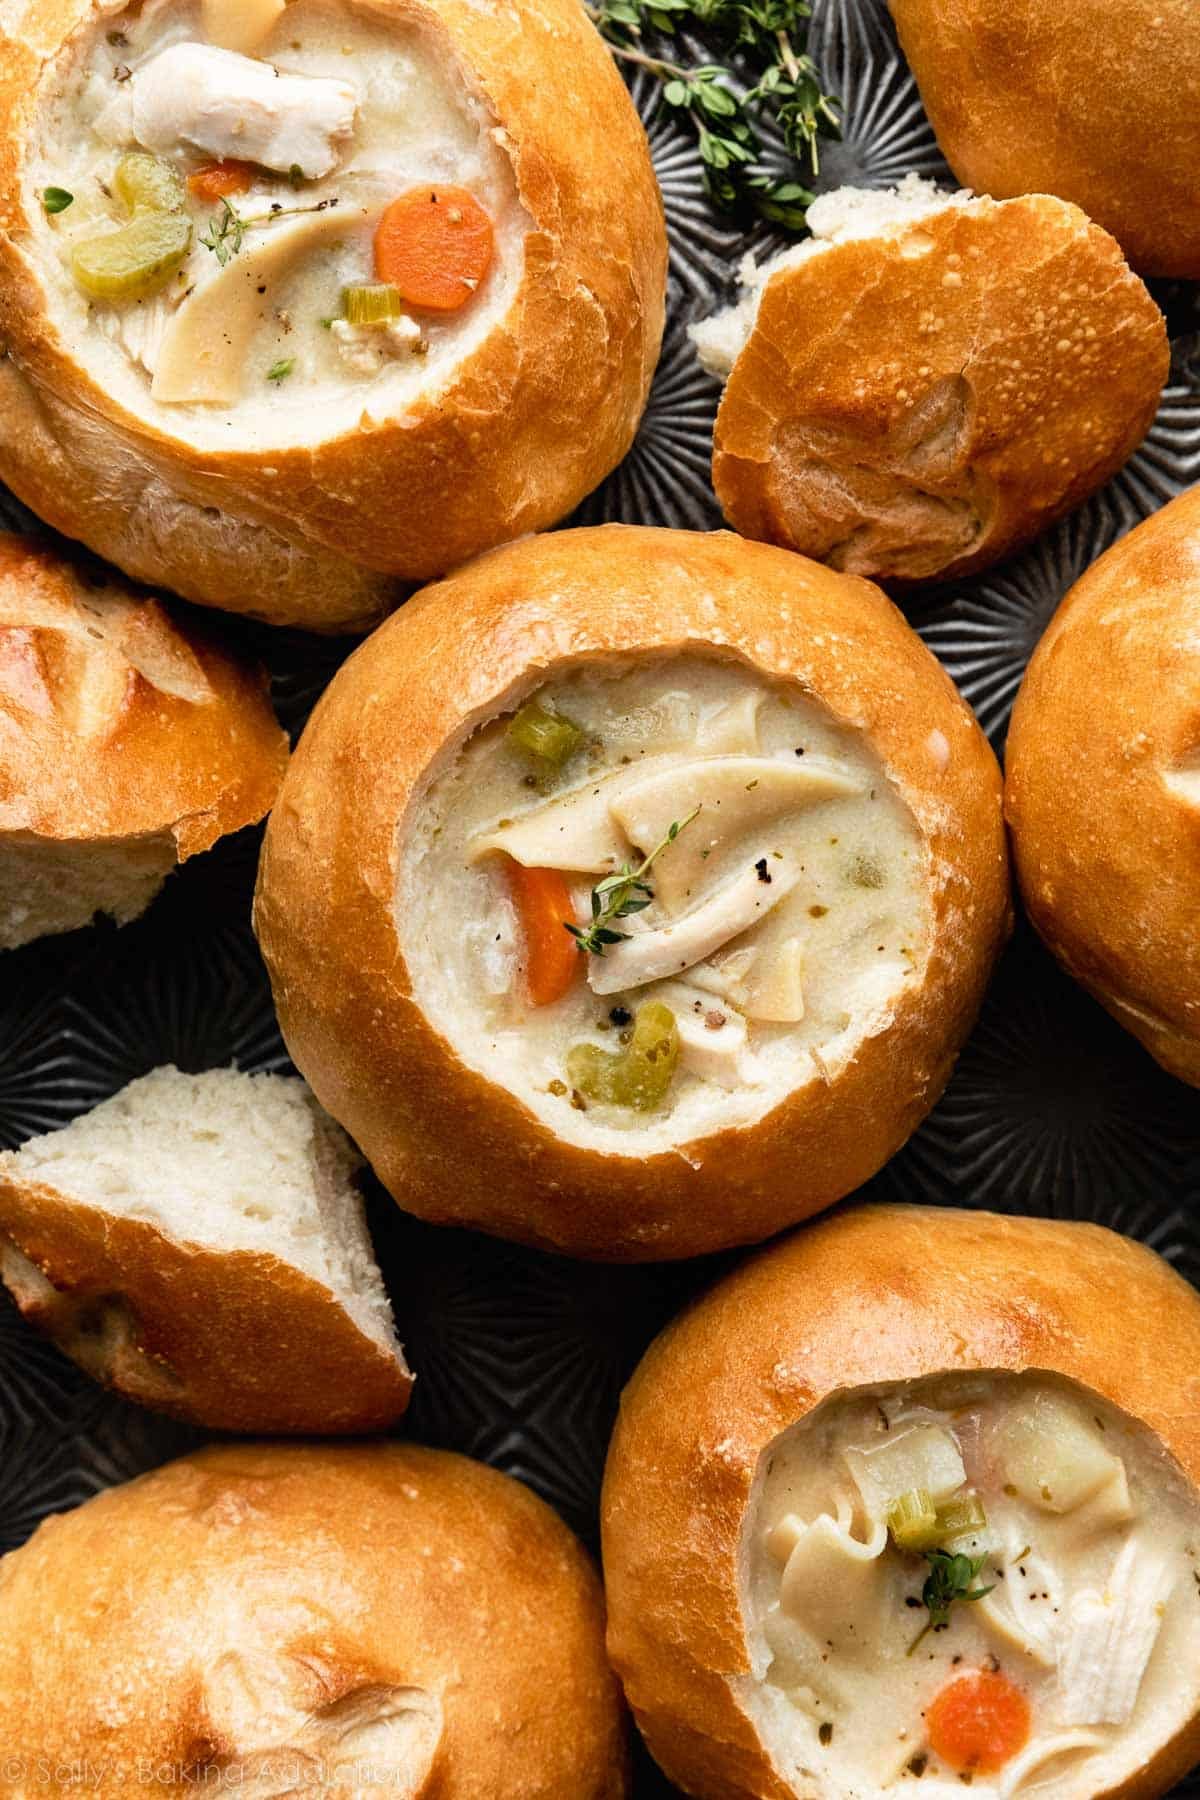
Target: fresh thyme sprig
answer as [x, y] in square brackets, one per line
[226, 229]
[619, 895]
[949, 1581]
[766, 39]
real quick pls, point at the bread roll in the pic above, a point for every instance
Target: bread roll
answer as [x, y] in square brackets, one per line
[930, 380]
[1051, 98]
[782, 998]
[197, 1243]
[321, 301]
[128, 742]
[370, 1620]
[795, 1450]
[1103, 788]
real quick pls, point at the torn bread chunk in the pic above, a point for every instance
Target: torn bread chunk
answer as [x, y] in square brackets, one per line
[198, 1243]
[891, 410]
[844, 216]
[50, 888]
[129, 741]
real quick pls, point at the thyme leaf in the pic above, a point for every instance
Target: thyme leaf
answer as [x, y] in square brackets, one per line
[226, 229]
[949, 1581]
[760, 76]
[620, 895]
[56, 200]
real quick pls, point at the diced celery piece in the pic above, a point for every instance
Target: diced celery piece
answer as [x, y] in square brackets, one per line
[961, 1517]
[549, 736]
[136, 261]
[148, 184]
[640, 1073]
[373, 305]
[913, 1521]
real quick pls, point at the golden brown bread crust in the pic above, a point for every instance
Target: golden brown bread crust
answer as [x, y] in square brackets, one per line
[250, 1598]
[452, 1146]
[528, 424]
[160, 526]
[856, 1300]
[1069, 100]
[235, 1340]
[118, 720]
[917, 406]
[1108, 852]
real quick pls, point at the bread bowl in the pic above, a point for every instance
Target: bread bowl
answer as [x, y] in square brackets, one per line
[256, 398]
[821, 928]
[371, 1619]
[1049, 99]
[929, 380]
[1103, 788]
[197, 1243]
[1034, 1384]
[129, 741]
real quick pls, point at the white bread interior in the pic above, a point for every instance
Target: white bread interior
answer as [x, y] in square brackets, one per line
[228, 1162]
[129, 742]
[844, 216]
[46, 887]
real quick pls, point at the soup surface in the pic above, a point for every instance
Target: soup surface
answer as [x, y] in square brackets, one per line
[982, 1579]
[296, 235]
[658, 896]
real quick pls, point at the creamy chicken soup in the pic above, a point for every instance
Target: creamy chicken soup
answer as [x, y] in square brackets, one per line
[985, 1579]
[279, 222]
[659, 896]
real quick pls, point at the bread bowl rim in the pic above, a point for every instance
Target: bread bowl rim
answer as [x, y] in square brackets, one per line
[574, 272]
[727, 1378]
[447, 694]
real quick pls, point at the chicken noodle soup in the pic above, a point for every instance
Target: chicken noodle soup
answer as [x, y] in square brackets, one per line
[660, 895]
[288, 220]
[985, 1578]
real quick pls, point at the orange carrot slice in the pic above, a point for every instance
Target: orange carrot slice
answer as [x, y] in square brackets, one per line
[217, 180]
[435, 246]
[978, 1722]
[543, 901]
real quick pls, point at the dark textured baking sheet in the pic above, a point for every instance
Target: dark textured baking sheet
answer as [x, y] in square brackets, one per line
[521, 1356]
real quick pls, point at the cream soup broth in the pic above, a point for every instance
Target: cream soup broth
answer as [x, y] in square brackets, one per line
[1086, 1533]
[248, 341]
[778, 928]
